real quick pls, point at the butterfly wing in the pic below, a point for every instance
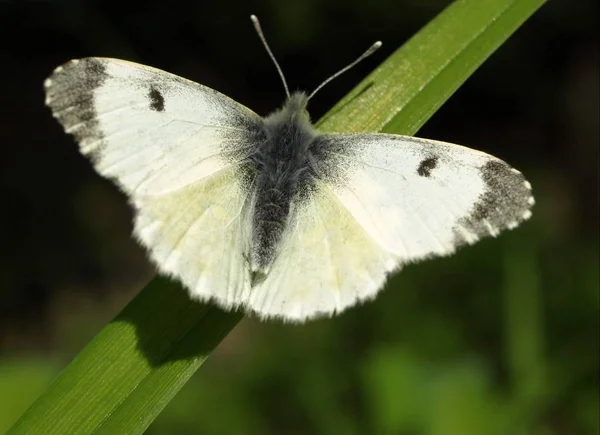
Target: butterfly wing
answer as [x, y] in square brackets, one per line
[382, 201]
[177, 149]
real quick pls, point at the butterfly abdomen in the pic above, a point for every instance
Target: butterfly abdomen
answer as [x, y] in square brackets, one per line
[283, 173]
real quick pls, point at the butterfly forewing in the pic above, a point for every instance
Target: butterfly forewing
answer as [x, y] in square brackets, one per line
[149, 130]
[418, 198]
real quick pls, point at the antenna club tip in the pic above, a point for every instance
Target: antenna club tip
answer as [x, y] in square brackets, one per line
[254, 18]
[372, 49]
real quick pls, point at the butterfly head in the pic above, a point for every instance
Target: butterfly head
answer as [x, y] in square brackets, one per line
[296, 104]
[293, 111]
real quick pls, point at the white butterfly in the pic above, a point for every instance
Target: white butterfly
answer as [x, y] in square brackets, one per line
[267, 214]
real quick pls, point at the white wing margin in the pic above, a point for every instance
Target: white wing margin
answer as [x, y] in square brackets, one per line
[383, 201]
[175, 147]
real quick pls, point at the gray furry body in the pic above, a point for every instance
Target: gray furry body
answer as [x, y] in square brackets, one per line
[282, 172]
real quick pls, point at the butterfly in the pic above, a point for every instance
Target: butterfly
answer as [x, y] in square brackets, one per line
[267, 214]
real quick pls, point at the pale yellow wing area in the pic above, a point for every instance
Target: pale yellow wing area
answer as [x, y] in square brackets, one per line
[326, 262]
[200, 234]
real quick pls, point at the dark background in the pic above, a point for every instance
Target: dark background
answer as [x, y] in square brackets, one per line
[501, 338]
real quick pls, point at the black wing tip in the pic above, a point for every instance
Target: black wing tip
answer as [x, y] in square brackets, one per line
[504, 205]
[71, 97]
[88, 72]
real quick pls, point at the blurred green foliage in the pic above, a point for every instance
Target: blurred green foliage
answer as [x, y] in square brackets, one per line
[21, 382]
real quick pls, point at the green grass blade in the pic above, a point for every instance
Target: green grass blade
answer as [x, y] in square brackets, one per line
[406, 90]
[122, 380]
[132, 368]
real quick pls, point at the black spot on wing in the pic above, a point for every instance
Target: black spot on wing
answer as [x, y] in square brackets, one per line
[504, 204]
[70, 94]
[426, 166]
[157, 101]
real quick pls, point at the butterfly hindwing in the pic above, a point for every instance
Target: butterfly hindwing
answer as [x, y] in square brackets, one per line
[325, 262]
[177, 149]
[201, 235]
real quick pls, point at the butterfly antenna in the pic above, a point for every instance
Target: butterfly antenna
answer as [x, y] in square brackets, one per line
[264, 41]
[372, 49]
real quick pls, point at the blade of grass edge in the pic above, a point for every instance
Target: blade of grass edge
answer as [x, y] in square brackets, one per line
[129, 372]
